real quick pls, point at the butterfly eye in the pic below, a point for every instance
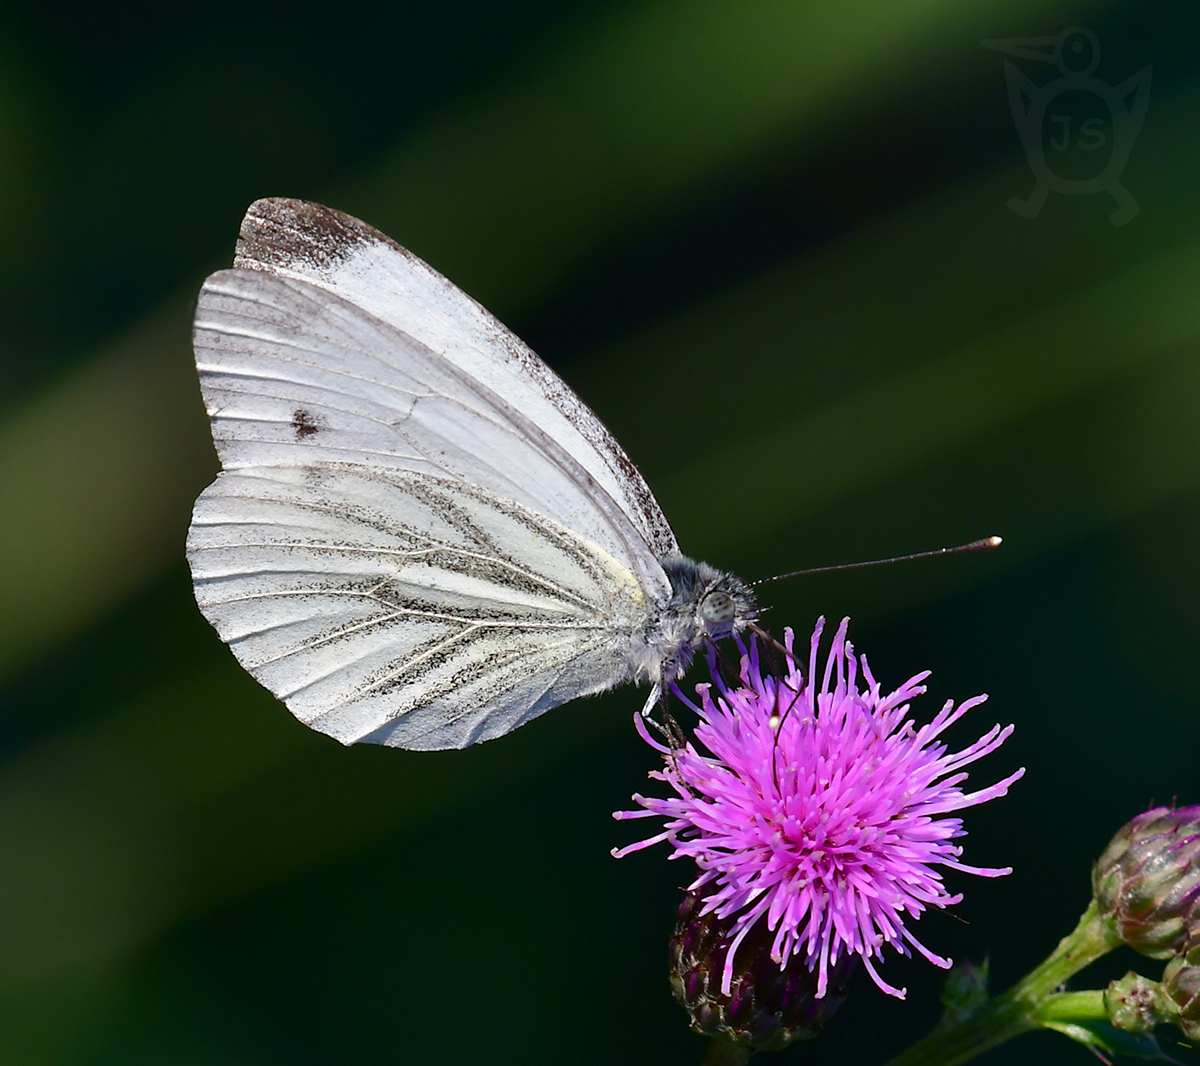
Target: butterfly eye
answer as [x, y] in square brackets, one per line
[718, 609]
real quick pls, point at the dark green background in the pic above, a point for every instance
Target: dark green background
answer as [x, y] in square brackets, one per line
[769, 243]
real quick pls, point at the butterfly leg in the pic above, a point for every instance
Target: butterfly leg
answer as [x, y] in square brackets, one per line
[668, 727]
[653, 700]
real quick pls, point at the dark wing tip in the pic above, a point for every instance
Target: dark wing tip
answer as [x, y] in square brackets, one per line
[281, 233]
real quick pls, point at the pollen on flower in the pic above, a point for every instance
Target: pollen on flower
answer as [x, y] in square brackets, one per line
[819, 811]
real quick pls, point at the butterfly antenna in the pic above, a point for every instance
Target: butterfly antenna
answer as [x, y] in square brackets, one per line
[769, 643]
[975, 546]
[769, 646]
[797, 693]
[779, 732]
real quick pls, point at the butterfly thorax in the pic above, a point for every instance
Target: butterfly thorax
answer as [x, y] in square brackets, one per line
[706, 605]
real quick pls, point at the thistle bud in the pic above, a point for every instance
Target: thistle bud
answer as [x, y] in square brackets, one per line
[767, 1007]
[1135, 1004]
[965, 990]
[1181, 983]
[1147, 881]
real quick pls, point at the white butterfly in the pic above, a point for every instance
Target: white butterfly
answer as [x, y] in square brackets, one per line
[421, 536]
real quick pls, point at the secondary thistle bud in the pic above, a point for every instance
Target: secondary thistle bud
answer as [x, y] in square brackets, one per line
[1147, 881]
[965, 990]
[1135, 1003]
[1181, 983]
[766, 1007]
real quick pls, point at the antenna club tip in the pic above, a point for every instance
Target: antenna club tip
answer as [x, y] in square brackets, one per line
[995, 542]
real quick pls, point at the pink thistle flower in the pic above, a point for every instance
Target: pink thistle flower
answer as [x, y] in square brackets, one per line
[819, 812]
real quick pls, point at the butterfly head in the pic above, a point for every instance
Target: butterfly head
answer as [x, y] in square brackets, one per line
[706, 605]
[709, 603]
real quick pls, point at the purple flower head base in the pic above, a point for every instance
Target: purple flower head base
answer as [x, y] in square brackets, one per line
[820, 812]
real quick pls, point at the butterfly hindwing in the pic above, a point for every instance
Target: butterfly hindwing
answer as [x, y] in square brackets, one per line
[402, 609]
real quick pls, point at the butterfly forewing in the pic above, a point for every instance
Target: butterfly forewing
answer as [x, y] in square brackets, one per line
[357, 264]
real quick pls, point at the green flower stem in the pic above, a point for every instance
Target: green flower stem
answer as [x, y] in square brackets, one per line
[1028, 1004]
[1072, 1007]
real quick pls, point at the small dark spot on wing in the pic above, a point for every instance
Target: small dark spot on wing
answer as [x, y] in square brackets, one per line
[305, 423]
